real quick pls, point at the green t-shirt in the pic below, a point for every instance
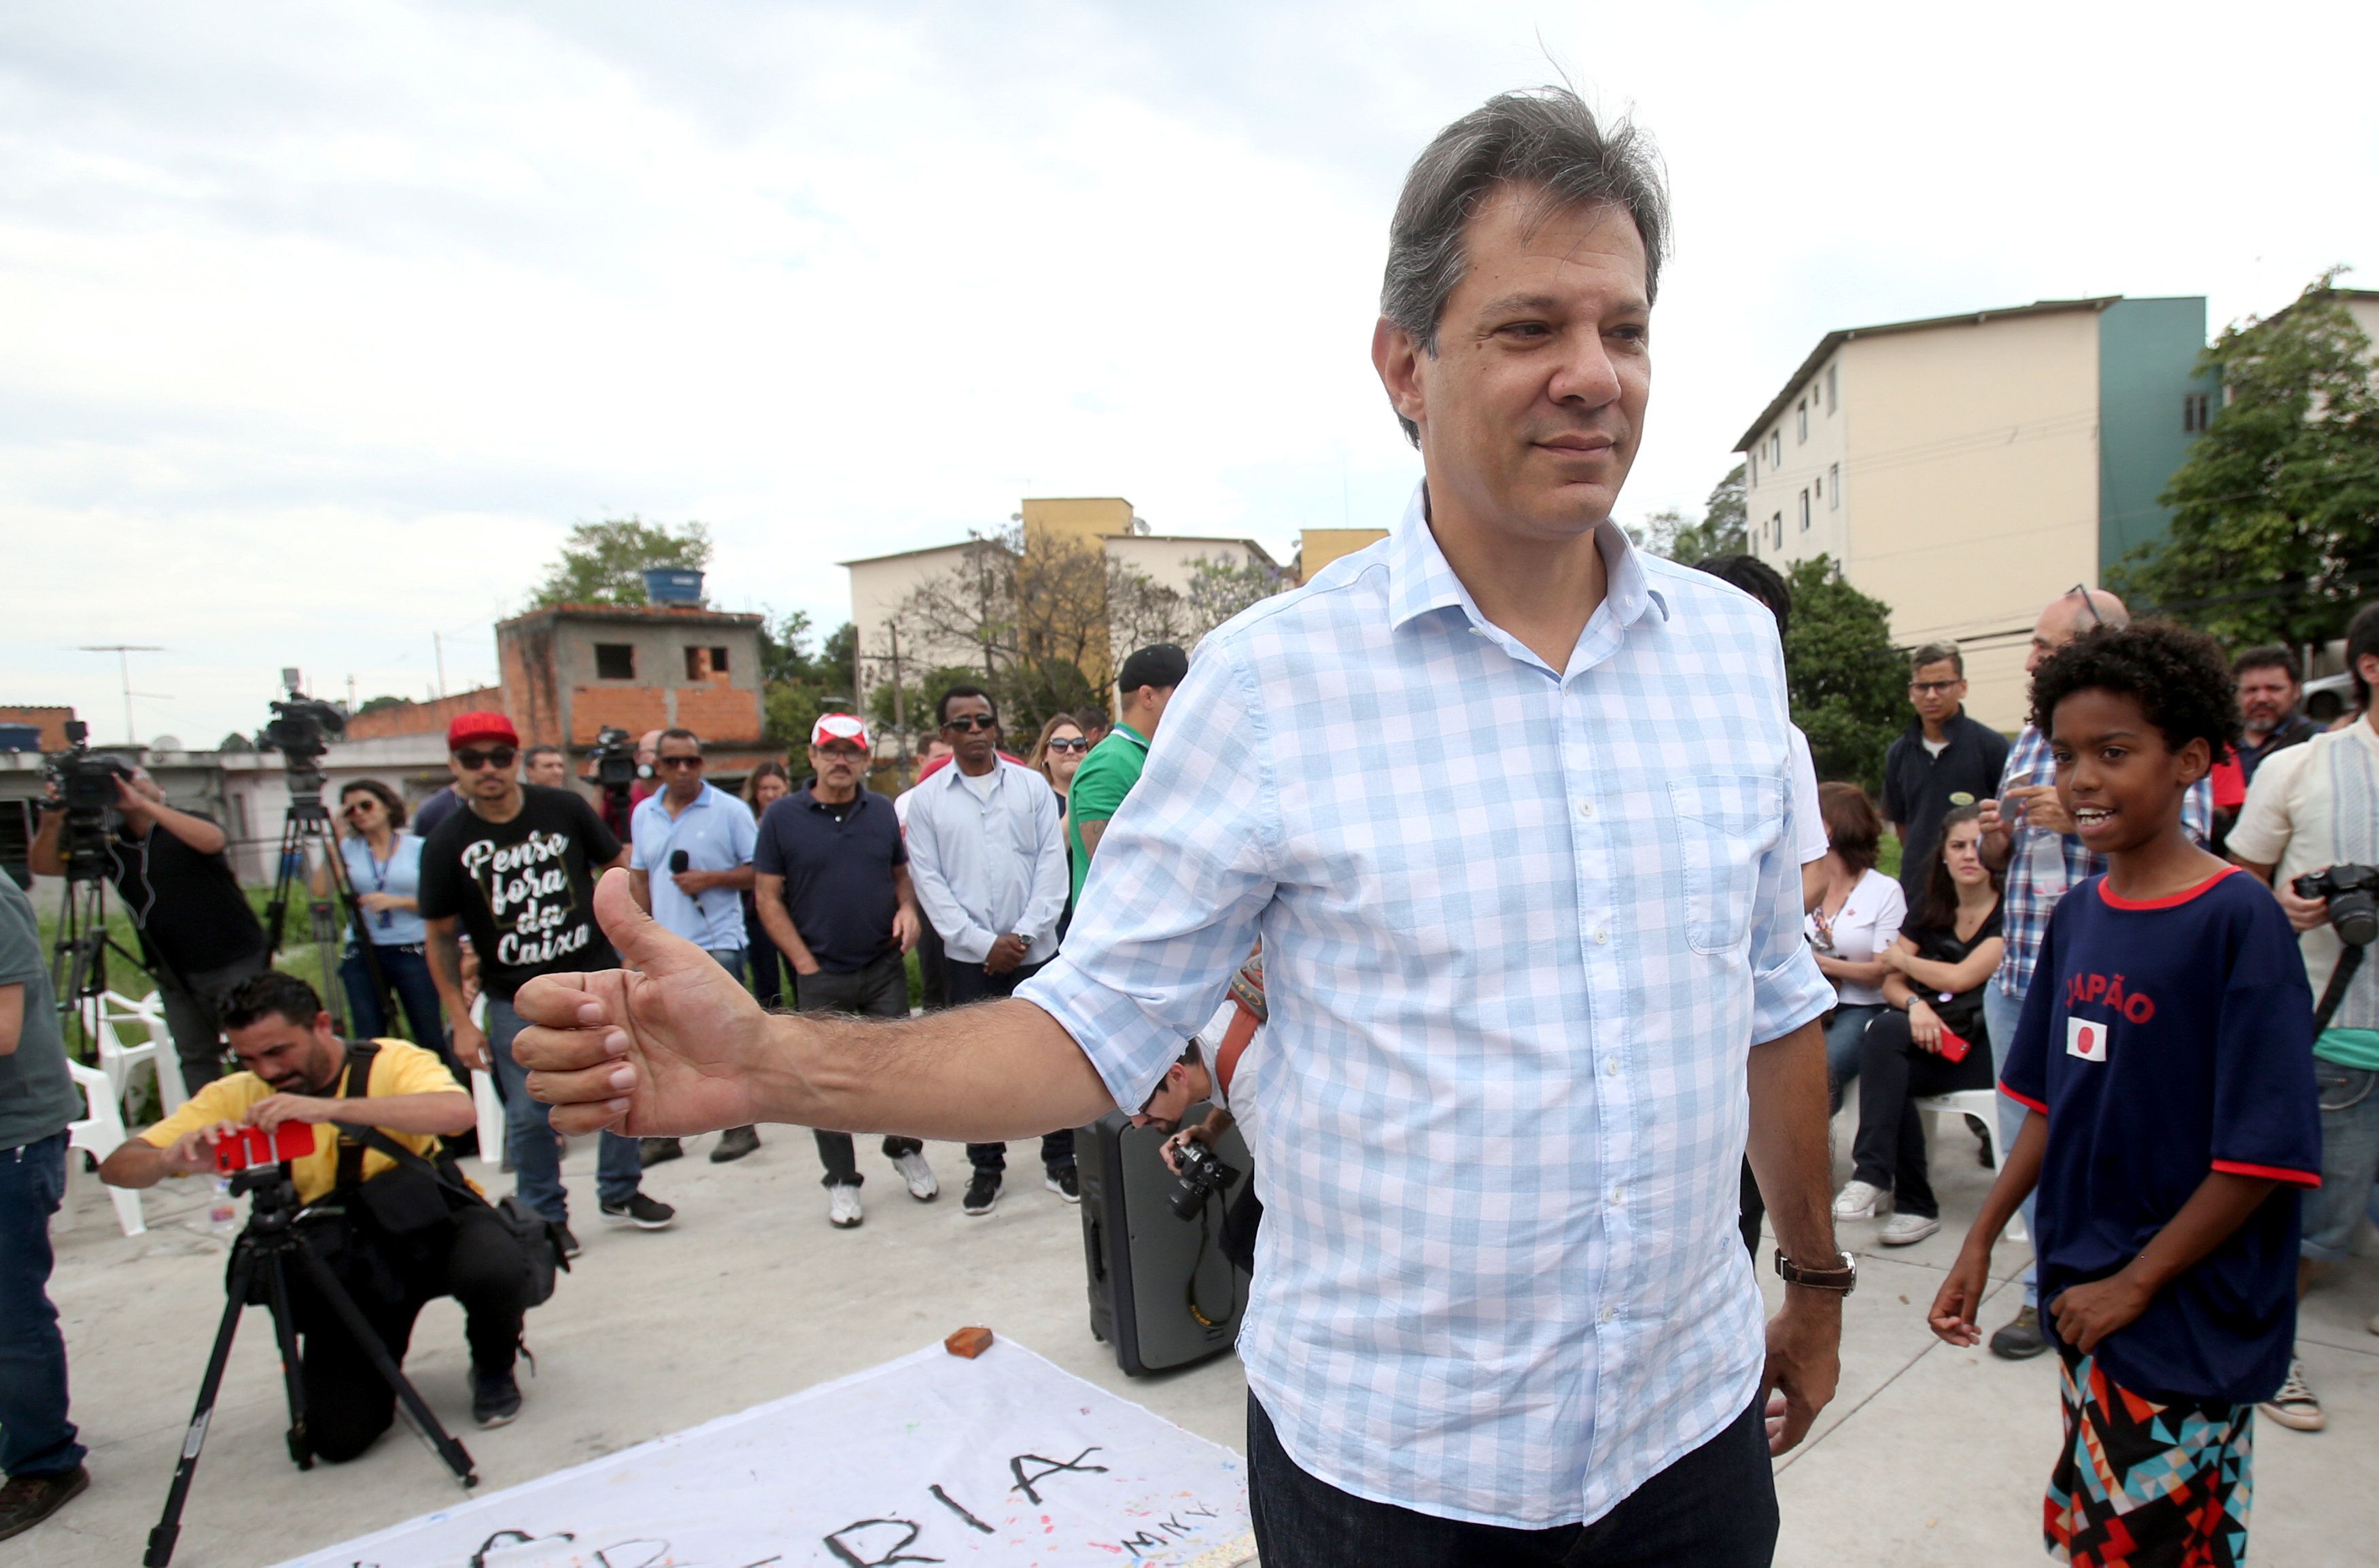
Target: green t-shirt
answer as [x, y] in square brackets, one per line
[1105, 777]
[2349, 1048]
[37, 1098]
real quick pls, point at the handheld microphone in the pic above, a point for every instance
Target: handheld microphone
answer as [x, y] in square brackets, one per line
[677, 860]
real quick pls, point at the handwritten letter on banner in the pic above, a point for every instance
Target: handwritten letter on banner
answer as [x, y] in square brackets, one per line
[1001, 1462]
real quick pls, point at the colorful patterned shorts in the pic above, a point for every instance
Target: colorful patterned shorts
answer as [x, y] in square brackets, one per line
[2142, 1485]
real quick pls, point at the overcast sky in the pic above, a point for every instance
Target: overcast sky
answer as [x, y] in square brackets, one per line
[322, 323]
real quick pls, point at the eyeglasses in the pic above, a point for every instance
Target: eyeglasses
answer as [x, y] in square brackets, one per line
[846, 752]
[1930, 688]
[1075, 744]
[355, 808]
[679, 762]
[473, 759]
[967, 722]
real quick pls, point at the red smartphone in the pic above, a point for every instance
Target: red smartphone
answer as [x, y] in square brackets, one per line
[245, 1147]
[1954, 1046]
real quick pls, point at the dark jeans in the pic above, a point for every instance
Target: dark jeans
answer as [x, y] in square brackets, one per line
[1894, 1074]
[1714, 1508]
[769, 969]
[193, 1013]
[968, 982]
[879, 991]
[36, 1439]
[406, 969]
[471, 1257]
[529, 1134]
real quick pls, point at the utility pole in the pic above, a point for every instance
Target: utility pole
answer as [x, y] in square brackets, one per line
[123, 671]
[899, 702]
[438, 646]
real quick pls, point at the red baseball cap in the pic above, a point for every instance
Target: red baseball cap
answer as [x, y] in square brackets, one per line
[839, 727]
[471, 727]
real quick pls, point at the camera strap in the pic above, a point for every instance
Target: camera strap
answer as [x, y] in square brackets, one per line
[355, 1083]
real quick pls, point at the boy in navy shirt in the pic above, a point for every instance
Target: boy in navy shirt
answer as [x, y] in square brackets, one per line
[2165, 1053]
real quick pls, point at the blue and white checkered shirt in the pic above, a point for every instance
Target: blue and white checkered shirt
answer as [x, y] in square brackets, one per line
[2024, 903]
[1521, 928]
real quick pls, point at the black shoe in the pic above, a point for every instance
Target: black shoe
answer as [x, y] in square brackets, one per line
[25, 1501]
[658, 1151]
[734, 1143]
[1067, 1184]
[981, 1194]
[1983, 1143]
[2022, 1339]
[571, 1245]
[640, 1211]
[495, 1398]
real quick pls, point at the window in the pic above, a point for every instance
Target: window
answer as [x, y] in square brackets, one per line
[615, 661]
[1776, 527]
[1755, 465]
[1776, 447]
[2194, 414]
[1804, 512]
[704, 664]
[1801, 414]
[1834, 487]
[1831, 386]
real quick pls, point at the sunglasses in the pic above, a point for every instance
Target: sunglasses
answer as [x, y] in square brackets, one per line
[1077, 744]
[678, 762]
[967, 722]
[355, 808]
[473, 759]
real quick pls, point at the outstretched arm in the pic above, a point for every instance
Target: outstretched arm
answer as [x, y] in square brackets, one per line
[673, 1045]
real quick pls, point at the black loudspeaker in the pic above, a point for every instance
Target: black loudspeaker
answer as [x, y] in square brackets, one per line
[1143, 1258]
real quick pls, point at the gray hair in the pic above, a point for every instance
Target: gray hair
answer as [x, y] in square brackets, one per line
[1546, 139]
[1935, 653]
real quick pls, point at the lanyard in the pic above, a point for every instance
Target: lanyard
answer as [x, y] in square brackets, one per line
[379, 870]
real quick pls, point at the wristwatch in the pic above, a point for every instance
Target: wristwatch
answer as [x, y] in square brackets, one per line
[1843, 1278]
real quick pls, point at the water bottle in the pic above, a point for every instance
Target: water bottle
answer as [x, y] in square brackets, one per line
[2045, 854]
[222, 1212]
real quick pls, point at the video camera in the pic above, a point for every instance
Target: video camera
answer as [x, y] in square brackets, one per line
[86, 785]
[615, 759]
[302, 730]
[2352, 893]
[1199, 1174]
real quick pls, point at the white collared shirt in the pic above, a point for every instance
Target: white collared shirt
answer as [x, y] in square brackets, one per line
[1521, 927]
[986, 863]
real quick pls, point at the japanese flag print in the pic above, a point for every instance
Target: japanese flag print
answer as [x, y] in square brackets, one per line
[2086, 1038]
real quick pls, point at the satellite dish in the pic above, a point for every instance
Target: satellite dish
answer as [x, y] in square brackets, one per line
[166, 744]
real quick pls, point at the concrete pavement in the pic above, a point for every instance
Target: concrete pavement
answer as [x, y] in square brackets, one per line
[1929, 1456]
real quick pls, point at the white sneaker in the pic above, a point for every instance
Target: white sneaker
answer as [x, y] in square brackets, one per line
[919, 1175]
[1861, 1201]
[1906, 1230]
[2295, 1406]
[842, 1207]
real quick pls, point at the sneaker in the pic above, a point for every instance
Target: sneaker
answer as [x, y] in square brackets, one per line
[25, 1501]
[1982, 1143]
[1067, 1184]
[658, 1151]
[981, 1194]
[495, 1398]
[734, 1143]
[920, 1177]
[2294, 1406]
[571, 1246]
[1907, 1230]
[640, 1211]
[1861, 1201]
[2021, 1340]
[842, 1209]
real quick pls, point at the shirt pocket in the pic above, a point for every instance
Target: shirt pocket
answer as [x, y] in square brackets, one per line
[1723, 823]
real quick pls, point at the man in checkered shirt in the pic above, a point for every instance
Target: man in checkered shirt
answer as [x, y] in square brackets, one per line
[1528, 1008]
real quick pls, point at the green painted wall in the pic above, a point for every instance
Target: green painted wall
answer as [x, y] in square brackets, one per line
[2147, 360]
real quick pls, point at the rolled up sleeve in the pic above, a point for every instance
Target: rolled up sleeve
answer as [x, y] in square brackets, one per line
[1180, 881]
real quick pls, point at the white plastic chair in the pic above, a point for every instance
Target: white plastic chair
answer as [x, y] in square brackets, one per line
[485, 1099]
[1983, 1105]
[100, 1134]
[101, 1017]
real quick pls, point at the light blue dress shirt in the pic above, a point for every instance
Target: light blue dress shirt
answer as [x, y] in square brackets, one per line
[717, 834]
[400, 875]
[1522, 928]
[985, 867]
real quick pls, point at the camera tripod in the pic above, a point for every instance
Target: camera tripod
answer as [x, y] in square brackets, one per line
[304, 827]
[265, 1249]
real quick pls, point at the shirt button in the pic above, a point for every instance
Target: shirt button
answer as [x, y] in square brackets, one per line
[1602, 935]
[1618, 1196]
[1611, 1065]
[1586, 810]
[1609, 1313]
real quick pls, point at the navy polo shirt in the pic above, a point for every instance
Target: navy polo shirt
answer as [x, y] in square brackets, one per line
[840, 885]
[2166, 1039]
[1920, 789]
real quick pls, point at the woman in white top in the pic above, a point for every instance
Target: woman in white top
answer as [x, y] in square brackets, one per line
[1858, 916]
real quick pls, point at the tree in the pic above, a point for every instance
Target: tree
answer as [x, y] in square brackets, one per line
[1675, 536]
[604, 562]
[2276, 512]
[1847, 679]
[1222, 585]
[796, 685]
[373, 704]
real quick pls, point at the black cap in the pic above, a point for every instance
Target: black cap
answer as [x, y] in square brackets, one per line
[1161, 665]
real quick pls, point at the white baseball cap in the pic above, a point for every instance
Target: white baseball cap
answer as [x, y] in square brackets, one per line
[839, 727]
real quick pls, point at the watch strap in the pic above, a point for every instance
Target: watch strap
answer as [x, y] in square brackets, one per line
[1842, 1277]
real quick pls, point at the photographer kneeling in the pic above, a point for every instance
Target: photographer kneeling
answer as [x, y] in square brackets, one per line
[394, 1237]
[1190, 1080]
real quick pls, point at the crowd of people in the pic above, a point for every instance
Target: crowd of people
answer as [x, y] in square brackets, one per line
[1563, 956]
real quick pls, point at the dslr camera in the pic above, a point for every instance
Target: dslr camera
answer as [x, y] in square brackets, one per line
[2352, 893]
[1201, 1175]
[615, 759]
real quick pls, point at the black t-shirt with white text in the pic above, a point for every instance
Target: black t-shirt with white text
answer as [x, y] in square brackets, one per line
[524, 889]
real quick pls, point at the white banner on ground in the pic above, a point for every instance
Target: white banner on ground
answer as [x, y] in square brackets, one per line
[1001, 1462]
